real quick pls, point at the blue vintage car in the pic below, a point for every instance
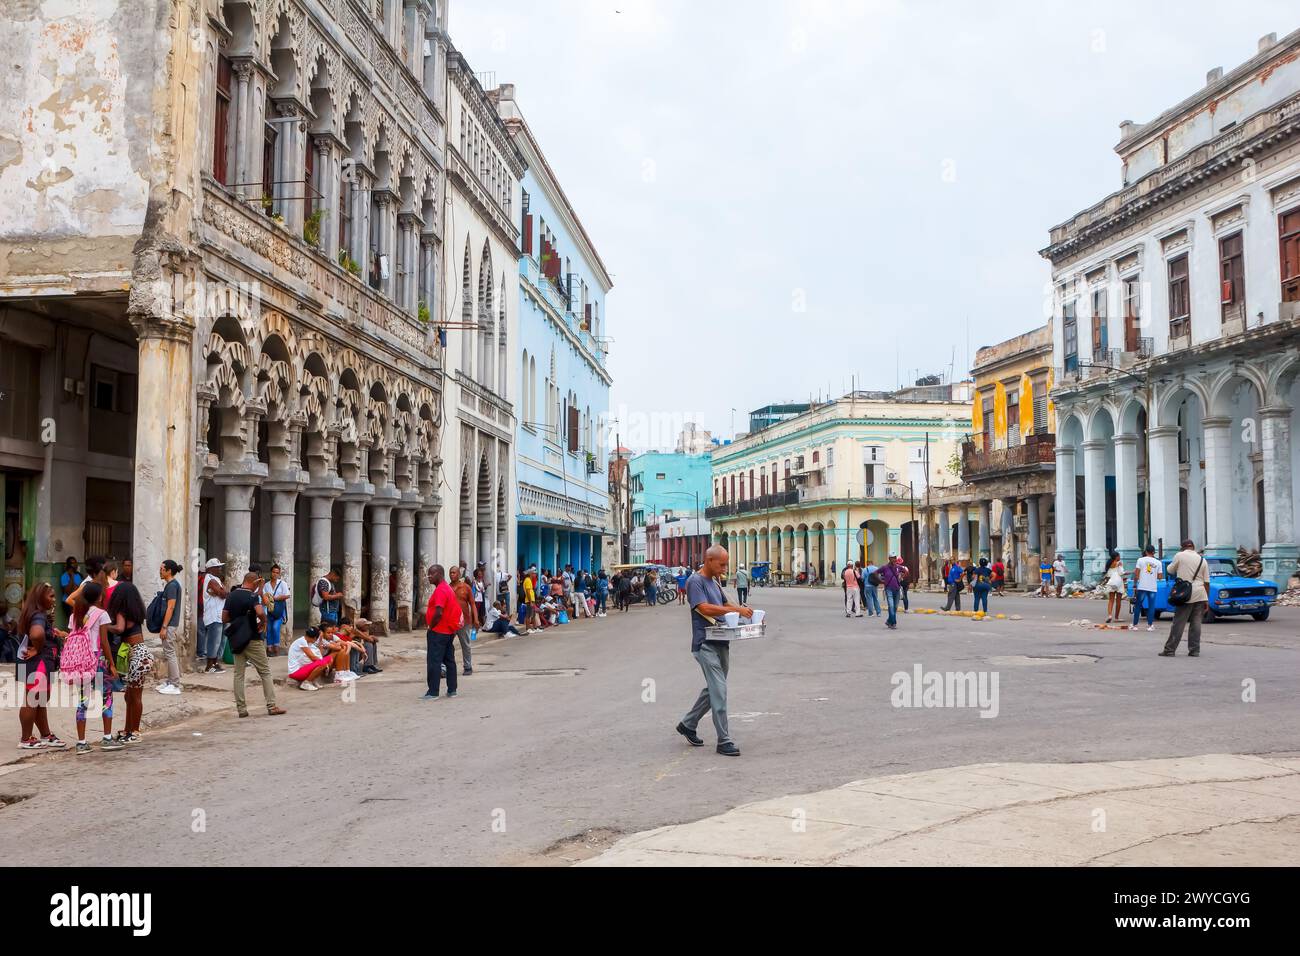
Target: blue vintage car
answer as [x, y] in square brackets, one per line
[1230, 593]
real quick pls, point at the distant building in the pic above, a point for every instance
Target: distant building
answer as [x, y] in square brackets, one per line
[665, 486]
[695, 441]
[835, 482]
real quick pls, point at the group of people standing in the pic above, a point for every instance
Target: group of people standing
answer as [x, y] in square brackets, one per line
[981, 577]
[102, 651]
[862, 584]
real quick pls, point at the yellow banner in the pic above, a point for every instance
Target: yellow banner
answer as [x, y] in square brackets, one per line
[1026, 406]
[977, 414]
[1000, 413]
[1051, 406]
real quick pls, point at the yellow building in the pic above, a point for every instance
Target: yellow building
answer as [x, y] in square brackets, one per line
[1002, 500]
[812, 487]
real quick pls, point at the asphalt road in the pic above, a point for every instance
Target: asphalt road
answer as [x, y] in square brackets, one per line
[552, 735]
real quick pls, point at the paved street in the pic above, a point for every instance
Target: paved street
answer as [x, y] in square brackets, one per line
[551, 738]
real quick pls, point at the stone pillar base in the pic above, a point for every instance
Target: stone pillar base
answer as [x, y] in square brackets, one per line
[1279, 561]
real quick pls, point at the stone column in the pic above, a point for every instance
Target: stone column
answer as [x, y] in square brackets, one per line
[1162, 484]
[164, 486]
[405, 531]
[283, 521]
[427, 548]
[1127, 531]
[986, 529]
[1094, 508]
[321, 531]
[246, 130]
[327, 184]
[1035, 529]
[1008, 535]
[380, 548]
[945, 532]
[238, 506]
[1279, 551]
[291, 191]
[1219, 539]
[1067, 533]
[963, 530]
[354, 509]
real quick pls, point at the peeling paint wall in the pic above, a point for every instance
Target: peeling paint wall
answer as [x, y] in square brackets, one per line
[77, 78]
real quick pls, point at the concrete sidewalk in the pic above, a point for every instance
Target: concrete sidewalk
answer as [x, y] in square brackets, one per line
[1217, 809]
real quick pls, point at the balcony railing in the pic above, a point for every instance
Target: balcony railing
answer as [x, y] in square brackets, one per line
[782, 499]
[1038, 450]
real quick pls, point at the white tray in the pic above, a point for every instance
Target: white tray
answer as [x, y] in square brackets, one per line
[742, 632]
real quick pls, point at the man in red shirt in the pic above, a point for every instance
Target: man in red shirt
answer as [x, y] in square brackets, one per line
[443, 618]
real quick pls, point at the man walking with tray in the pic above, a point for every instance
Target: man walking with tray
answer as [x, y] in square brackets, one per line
[708, 605]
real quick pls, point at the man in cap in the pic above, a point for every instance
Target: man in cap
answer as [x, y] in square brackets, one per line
[214, 603]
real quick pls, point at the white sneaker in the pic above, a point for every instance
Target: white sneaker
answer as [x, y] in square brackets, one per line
[307, 685]
[168, 689]
[1132, 627]
[1151, 627]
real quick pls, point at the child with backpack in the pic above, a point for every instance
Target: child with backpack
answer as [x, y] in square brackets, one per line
[87, 660]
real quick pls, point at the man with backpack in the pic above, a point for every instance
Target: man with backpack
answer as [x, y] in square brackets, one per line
[164, 619]
[327, 597]
[889, 575]
[245, 620]
[1190, 597]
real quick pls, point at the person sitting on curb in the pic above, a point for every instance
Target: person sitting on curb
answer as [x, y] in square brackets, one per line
[306, 662]
[338, 648]
[498, 622]
[370, 643]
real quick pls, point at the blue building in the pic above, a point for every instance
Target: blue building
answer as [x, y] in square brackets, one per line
[562, 497]
[673, 484]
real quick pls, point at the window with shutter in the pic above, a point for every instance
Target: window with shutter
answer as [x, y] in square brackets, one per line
[1132, 314]
[1232, 278]
[1070, 335]
[1180, 305]
[573, 430]
[1289, 230]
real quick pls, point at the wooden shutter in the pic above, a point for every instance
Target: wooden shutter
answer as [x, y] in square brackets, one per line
[1289, 228]
[573, 428]
[528, 235]
[221, 122]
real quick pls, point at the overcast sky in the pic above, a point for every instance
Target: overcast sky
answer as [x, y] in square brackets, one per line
[789, 194]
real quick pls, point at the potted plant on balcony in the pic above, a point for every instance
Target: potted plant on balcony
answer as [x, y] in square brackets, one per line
[311, 228]
[422, 312]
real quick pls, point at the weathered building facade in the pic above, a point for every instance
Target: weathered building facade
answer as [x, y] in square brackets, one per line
[220, 245]
[1177, 331]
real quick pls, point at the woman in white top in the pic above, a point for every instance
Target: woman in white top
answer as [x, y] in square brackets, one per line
[1113, 585]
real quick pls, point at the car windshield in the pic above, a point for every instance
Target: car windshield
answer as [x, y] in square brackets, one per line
[1221, 567]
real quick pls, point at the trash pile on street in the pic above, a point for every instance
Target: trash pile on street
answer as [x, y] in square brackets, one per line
[1289, 597]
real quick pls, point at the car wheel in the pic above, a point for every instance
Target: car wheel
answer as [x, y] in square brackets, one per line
[1261, 615]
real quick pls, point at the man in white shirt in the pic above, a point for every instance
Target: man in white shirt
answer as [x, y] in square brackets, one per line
[1189, 566]
[1058, 574]
[1145, 575]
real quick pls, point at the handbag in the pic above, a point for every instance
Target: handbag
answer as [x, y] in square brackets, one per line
[123, 658]
[1181, 592]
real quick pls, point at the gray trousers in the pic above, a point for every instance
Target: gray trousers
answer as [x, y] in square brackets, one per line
[715, 660]
[1189, 616]
[463, 636]
[169, 655]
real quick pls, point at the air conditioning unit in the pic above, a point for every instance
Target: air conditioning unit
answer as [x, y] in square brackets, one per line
[891, 476]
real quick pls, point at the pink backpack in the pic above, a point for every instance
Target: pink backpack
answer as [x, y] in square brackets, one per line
[80, 659]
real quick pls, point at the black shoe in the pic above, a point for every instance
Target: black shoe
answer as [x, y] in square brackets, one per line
[729, 750]
[1193, 653]
[369, 669]
[1165, 654]
[690, 735]
[467, 671]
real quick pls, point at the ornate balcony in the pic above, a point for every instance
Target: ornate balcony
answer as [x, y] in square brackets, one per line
[1038, 452]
